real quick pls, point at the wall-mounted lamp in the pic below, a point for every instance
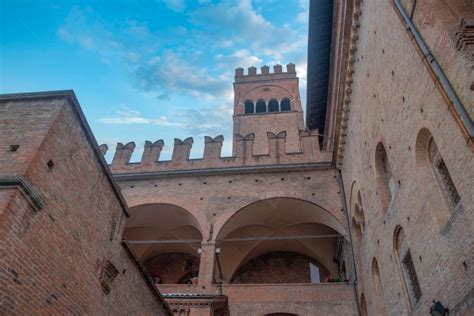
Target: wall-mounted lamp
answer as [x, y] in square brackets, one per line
[437, 309]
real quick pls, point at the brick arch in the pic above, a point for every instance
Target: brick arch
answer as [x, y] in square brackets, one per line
[334, 212]
[158, 222]
[438, 186]
[189, 206]
[268, 220]
[356, 207]
[290, 95]
[377, 289]
[357, 216]
[384, 178]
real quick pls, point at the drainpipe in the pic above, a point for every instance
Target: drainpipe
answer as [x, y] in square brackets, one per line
[463, 118]
[346, 212]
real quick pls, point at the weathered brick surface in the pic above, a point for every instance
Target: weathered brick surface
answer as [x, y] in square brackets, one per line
[217, 198]
[438, 22]
[393, 97]
[267, 86]
[52, 260]
[277, 267]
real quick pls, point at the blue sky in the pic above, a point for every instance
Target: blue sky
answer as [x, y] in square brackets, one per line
[149, 69]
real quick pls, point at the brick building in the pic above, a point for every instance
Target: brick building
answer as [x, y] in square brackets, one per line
[370, 212]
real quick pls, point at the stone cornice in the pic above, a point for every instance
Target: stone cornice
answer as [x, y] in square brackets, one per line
[348, 80]
[21, 184]
[224, 171]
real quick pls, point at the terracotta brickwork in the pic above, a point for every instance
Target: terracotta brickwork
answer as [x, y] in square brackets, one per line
[412, 226]
[244, 156]
[264, 299]
[265, 87]
[277, 194]
[266, 230]
[61, 218]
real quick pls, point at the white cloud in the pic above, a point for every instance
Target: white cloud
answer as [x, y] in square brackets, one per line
[65, 35]
[247, 29]
[240, 58]
[128, 117]
[303, 16]
[172, 74]
[199, 60]
[208, 121]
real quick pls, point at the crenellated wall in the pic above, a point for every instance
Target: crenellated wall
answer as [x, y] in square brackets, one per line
[244, 155]
[265, 73]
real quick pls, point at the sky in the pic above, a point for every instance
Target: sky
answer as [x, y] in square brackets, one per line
[149, 69]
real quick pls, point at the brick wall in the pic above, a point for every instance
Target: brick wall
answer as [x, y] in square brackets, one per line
[63, 257]
[301, 299]
[394, 97]
[278, 267]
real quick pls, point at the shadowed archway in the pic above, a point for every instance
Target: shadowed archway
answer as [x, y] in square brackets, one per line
[166, 238]
[280, 225]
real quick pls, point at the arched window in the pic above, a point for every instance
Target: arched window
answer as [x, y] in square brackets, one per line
[406, 266]
[261, 106]
[377, 289]
[285, 105]
[443, 198]
[443, 176]
[273, 106]
[385, 181]
[249, 107]
[357, 213]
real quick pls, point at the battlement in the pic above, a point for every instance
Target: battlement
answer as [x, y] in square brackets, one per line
[244, 155]
[265, 73]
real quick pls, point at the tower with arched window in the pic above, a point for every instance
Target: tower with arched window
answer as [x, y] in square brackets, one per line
[268, 102]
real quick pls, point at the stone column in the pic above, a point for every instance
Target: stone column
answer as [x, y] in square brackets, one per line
[206, 266]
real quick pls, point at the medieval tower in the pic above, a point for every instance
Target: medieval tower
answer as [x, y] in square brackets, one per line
[268, 104]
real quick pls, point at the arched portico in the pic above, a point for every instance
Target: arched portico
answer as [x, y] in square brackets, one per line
[280, 225]
[164, 236]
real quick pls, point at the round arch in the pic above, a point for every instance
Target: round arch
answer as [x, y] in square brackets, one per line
[279, 224]
[356, 211]
[250, 94]
[159, 228]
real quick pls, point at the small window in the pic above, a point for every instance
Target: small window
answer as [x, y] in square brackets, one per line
[261, 106]
[285, 105]
[108, 275]
[385, 181]
[249, 107]
[411, 277]
[273, 106]
[443, 176]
